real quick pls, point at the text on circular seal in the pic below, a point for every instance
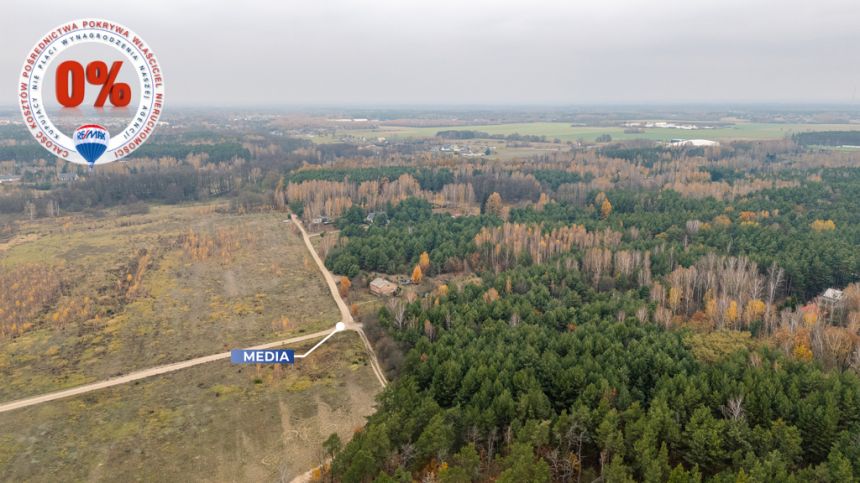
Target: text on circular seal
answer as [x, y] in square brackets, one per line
[55, 73]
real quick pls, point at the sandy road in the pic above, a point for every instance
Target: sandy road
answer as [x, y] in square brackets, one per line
[346, 317]
[142, 374]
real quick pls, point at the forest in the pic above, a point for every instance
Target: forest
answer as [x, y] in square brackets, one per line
[519, 382]
[627, 312]
[548, 370]
[616, 333]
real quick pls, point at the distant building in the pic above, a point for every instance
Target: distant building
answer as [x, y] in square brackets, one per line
[9, 178]
[67, 177]
[831, 303]
[695, 143]
[382, 287]
[832, 295]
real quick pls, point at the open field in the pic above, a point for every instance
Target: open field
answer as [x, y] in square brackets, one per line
[148, 289]
[565, 132]
[215, 422]
[158, 287]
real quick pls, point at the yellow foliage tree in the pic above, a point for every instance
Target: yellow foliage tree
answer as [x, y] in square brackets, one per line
[801, 349]
[732, 312]
[748, 216]
[823, 225]
[491, 295]
[417, 274]
[424, 261]
[674, 298]
[494, 205]
[722, 220]
[754, 310]
[605, 209]
[810, 318]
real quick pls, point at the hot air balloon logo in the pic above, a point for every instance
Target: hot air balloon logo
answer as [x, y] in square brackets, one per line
[91, 141]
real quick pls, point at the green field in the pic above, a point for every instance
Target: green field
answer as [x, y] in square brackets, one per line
[565, 132]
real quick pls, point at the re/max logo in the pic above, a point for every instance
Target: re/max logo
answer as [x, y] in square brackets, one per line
[263, 356]
[91, 134]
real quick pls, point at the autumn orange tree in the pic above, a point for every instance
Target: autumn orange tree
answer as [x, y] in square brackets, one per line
[343, 286]
[417, 274]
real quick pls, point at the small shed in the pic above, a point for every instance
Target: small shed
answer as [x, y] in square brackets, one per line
[832, 295]
[380, 286]
[832, 303]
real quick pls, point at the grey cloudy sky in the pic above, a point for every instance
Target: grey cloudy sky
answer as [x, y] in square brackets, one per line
[366, 52]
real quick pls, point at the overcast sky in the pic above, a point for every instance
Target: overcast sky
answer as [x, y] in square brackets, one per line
[426, 52]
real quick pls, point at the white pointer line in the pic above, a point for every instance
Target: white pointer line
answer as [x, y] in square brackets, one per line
[337, 328]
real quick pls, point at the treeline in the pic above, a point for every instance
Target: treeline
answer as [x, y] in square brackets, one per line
[23, 152]
[646, 155]
[461, 134]
[395, 241]
[429, 179]
[111, 189]
[212, 153]
[535, 376]
[828, 138]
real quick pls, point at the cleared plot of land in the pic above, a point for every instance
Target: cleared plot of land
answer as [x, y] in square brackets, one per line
[144, 290]
[215, 422]
[566, 132]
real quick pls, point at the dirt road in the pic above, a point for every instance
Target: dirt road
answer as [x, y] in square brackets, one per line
[346, 317]
[153, 371]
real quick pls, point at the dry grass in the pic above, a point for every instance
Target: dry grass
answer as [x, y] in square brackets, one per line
[157, 296]
[215, 422]
[154, 303]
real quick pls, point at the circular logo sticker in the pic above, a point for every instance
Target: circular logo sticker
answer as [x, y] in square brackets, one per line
[91, 91]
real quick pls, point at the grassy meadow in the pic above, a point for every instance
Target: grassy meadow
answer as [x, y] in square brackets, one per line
[105, 294]
[214, 422]
[131, 292]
